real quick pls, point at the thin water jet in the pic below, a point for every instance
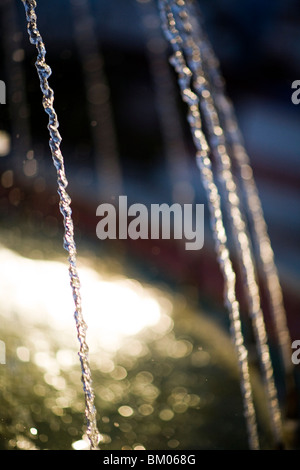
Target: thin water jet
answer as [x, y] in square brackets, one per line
[182, 31]
[219, 152]
[185, 81]
[254, 209]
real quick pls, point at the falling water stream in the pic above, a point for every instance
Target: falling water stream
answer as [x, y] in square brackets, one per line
[188, 62]
[218, 144]
[185, 77]
[238, 153]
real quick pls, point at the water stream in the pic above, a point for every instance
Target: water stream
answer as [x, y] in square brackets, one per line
[185, 75]
[44, 73]
[219, 153]
[239, 156]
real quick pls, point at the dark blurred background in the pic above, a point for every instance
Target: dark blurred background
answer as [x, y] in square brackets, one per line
[258, 45]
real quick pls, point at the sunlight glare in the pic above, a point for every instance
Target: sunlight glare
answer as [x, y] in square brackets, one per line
[39, 291]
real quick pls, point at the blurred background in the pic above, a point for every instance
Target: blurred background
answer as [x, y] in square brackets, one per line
[124, 131]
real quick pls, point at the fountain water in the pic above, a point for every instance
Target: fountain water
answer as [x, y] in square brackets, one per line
[245, 177]
[218, 144]
[187, 60]
[44, 72]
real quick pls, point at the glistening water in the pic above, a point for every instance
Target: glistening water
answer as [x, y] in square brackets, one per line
[154, 371]
[164, 374]
[44, 72]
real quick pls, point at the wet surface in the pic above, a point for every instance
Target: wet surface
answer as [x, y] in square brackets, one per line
[165, 376]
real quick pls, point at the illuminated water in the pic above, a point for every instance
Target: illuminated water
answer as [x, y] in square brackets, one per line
[214, 159]
[44, 72]
[245, 175]
[185, 81]
[157, 364]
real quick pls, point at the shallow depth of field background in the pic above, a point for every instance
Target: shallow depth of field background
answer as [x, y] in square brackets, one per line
[258, 45]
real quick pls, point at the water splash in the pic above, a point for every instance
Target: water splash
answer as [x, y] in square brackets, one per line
[189, 42]
[44, 73]
[185, 78]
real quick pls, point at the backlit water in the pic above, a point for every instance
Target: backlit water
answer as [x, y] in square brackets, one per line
[149, 373]
[164, 375]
